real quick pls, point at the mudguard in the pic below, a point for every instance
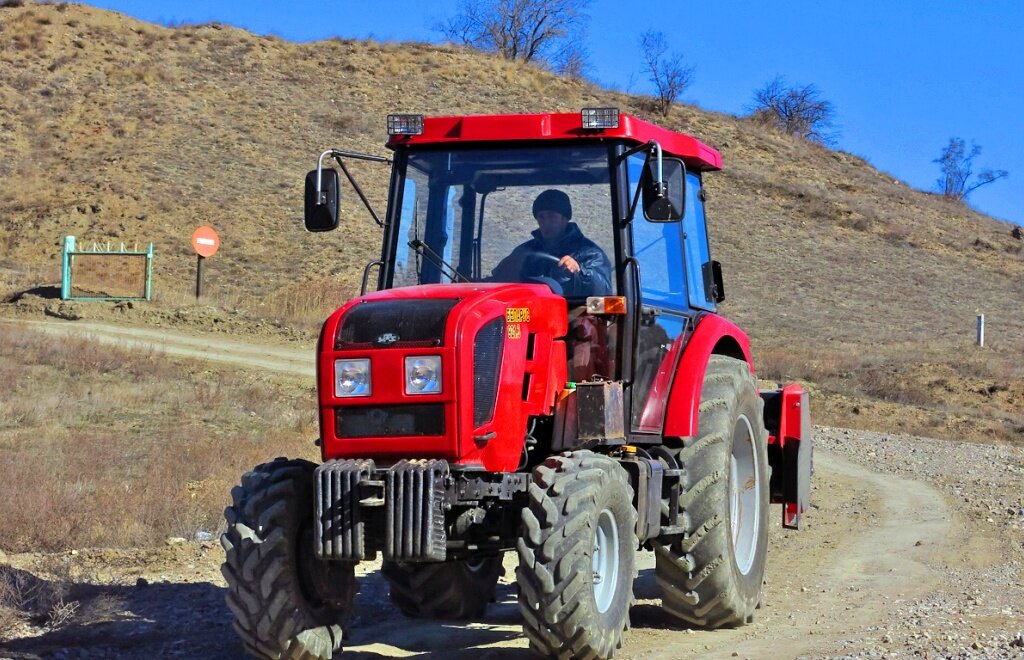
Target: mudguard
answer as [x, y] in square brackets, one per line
[790, 450]
[713, 334]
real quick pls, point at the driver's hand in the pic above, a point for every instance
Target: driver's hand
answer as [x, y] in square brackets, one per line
[569, 264]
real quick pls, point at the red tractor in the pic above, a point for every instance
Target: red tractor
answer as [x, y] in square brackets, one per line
[541, 370]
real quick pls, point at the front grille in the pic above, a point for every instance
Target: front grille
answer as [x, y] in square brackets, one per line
[389, 421]
[487, 348]
[395, 323]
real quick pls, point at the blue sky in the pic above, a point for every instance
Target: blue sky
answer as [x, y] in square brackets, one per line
[904, 75]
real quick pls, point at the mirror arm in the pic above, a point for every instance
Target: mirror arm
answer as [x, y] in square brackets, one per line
[651, 146]
[659, 185]
[338, 155]
[359, 191]
[636, 197]
[320, 201]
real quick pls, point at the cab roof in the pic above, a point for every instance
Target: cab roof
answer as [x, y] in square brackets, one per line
[557, 126]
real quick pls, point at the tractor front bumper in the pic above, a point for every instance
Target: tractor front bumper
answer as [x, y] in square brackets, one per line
[354, 500]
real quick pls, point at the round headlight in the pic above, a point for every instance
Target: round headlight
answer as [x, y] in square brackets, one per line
[352, 378]
[423, 375]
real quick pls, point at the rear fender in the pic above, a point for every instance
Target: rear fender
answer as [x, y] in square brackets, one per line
[713, 335]
[790, 450]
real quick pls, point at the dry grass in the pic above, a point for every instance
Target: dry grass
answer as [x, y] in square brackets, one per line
[24, 597]
[918, 389]
[101, 447]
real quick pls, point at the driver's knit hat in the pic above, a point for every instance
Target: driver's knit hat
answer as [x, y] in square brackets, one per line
[553, 200]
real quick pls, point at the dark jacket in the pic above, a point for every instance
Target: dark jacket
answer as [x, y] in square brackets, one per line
[532, 260]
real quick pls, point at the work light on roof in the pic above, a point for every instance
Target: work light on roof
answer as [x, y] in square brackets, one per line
[600, 118]
[405, 124]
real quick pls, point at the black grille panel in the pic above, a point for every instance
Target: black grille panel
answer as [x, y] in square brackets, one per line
[389, 421]
[415, 511]
[340, 531]
[395, 323]
[487, 348]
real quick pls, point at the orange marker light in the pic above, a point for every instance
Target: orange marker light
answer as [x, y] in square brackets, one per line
[606, 305]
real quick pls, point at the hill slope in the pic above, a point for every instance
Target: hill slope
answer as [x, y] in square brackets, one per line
[115, 129]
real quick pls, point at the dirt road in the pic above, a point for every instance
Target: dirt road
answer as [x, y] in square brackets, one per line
[849, 573]
[913, 548]
[206, 346]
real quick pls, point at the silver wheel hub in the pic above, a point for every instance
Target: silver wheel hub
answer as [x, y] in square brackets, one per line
[605, 560]
[744, 495]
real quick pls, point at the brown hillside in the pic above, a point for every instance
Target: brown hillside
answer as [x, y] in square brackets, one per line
[115, 129]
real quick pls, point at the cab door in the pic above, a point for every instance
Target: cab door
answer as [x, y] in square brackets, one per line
[665, 311]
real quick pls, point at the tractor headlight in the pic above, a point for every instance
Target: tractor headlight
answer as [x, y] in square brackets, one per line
[423, 374]
[352, 377]
[405, 124]
[599, 118]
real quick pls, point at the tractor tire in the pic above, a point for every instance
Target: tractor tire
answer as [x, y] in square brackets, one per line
[577, 559]
[459, 589]
[287, 603]
[712, 576]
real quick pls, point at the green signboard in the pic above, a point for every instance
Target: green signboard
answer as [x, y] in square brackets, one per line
[104, 273]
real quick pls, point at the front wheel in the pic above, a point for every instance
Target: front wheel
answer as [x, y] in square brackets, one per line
[287, 603]
[712, 576]
[458, 589]
[577, 556]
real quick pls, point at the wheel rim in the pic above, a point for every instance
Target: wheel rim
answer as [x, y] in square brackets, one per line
[605, 562]
[744, 495]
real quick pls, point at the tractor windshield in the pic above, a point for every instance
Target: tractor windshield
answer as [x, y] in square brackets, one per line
[469, 214]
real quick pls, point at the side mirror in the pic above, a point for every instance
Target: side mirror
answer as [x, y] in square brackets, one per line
[321, 213]
[667, 203]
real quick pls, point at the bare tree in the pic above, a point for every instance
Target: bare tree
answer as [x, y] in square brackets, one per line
[957, 165]
[799, 111]
[545, 31]
[667, 71]
[571, 60]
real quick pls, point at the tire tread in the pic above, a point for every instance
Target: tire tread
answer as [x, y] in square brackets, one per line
[695, 573]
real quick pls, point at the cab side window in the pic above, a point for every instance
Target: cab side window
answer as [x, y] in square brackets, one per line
[658, 248]
[698, 255]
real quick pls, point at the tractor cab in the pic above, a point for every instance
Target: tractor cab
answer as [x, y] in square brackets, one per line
[465, 206]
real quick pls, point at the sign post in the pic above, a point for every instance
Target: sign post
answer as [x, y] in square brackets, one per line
[205, 242]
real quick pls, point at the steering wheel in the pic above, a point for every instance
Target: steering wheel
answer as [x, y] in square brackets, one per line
[543, 275]
[552, 283]
[543, 256]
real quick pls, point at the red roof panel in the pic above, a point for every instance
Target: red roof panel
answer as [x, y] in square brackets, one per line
[557, 126]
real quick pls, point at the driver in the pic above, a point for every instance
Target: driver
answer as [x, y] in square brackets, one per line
[558, 251]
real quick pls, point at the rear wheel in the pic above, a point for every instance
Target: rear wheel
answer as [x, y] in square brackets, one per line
[458, 589]
[287, 603]
[577, 556]
[712, 576]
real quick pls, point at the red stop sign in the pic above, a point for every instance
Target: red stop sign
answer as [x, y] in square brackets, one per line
[205, 241]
